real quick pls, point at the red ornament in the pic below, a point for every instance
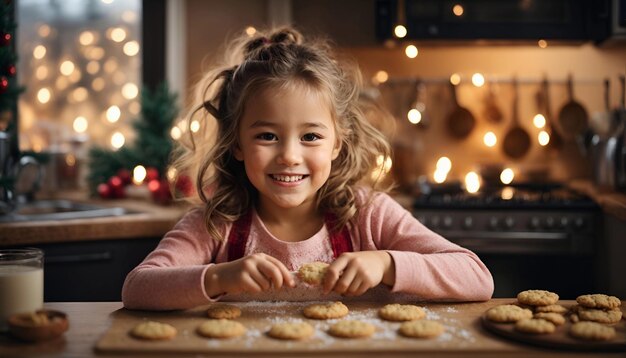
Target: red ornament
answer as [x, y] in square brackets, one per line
[117, 187]
[5, 39]
[184, 185]
[11, 70]
[160, 191]
[151, 174]
[104, 190]
[124, 175]
[4, 84]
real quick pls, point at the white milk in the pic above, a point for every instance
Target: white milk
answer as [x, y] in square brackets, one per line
[21, 290]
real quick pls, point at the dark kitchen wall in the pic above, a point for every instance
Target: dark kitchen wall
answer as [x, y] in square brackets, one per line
[351, 25]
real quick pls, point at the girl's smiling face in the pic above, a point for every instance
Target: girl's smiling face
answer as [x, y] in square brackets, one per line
[287, 141]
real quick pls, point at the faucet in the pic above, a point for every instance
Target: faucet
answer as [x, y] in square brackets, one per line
[11, 171]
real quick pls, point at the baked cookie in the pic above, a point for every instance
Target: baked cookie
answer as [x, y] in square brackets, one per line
[291, 330]
[508, 313]
[534, 326]
[153, 331]
[592, 331]
[325, 310]
[313, 273]
[600, 316]
[598, 301]
[552, 308]
[351, 329]
[398, 312]
[421, 329]
[219, 311]
[221, 328]
[537, 297]
[555, 318]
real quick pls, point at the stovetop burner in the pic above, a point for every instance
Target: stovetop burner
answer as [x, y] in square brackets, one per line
[515, 196]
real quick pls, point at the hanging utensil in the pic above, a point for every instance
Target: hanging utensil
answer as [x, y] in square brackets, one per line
[543, 99]
[573, 116]
[460, 121]
[492, 112]
[517, 141]
[420, 116]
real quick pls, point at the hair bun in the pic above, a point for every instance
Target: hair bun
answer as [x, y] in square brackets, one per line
[286, 36]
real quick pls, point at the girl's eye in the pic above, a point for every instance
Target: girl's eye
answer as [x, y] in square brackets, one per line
[310, 137]
[266, 136]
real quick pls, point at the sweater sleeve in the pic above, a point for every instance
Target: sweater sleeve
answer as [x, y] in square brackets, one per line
[172, 276]
[426, 264]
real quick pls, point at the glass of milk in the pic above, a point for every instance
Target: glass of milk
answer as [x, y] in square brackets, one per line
[21, 282]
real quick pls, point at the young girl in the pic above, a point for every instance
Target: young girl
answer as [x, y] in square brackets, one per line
[283, 183]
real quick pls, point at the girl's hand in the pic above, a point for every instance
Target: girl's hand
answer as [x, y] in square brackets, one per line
[253, 273]
[353, 273]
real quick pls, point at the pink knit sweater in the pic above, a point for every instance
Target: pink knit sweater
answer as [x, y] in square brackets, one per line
[427, 266]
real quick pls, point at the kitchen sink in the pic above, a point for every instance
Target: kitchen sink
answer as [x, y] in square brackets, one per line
[60, 210]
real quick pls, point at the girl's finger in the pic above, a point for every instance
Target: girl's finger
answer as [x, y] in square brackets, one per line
[263, 282]
[248, 284]
[362, 289]
[287, 277]
[333, 272]
[354, 286]
[272, 273]
[345, 280]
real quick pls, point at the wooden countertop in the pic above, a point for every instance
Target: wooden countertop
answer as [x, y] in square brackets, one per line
[612, 202]
[148, 220]
[92, 323]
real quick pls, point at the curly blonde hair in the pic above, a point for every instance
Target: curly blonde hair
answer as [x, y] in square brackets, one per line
[277, 59]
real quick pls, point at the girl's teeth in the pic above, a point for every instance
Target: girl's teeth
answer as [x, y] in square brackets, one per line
[287, 178]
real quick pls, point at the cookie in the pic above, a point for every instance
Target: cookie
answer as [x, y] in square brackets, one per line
[313, 273]
[326, 310]
[153, 331]
[421, 329]
[600, 316]
[592, 331]
[537, 297]
[351, 329]
[598, 301]
[398, 312]
[555, 318]
[508, 313]
[219, 311]
[221, 328]
[552, 308]
[291, 330]
[534, 326]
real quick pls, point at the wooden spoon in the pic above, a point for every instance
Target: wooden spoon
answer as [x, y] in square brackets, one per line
[492, 112]
[517, 141]
[556, 141]
[573, 116]
[460, 121]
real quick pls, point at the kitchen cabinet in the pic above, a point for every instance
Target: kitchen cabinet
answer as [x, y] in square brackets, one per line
[568, 20]
[91, 270]
[612, 265]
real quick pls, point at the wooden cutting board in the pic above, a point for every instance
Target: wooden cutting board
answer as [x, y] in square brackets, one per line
[463, 331]
[560, 338]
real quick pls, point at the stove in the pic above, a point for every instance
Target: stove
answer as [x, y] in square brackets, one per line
[529, 235]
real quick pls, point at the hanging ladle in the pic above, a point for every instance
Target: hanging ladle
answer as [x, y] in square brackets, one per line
[517, 141]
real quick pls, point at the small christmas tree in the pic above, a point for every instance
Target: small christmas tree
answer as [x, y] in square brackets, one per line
[151, 149]
[9, 89]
